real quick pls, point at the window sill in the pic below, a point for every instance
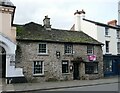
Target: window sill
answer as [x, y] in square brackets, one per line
[107, 53]
[38, 75]
[40, 54]
[107, 36]
[90, 54]
[68, 54]
[66, 73]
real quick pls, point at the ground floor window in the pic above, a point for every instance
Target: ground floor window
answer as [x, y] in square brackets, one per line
[65, 66]
[38, 68]
[91, 68]
[108, 65]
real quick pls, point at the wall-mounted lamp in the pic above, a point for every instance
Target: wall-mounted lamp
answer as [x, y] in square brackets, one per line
[71, 67]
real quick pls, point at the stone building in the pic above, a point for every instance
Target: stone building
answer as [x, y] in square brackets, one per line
[48, 54]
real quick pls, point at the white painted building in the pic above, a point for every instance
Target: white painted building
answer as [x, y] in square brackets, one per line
[119, 13]
[108, 34]
[99, 31]
[8, 42]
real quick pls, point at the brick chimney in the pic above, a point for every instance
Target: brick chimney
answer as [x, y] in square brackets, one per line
[112, 23]
[46, 22]
[79, 15]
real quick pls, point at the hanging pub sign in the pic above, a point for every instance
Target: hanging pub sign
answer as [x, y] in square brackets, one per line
[92, 57]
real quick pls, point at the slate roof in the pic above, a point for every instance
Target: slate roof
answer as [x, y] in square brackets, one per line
[36, 32]
[101, 24]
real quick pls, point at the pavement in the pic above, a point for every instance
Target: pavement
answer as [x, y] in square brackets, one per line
[23, 87]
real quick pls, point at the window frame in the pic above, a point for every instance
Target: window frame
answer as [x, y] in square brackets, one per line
[107, 31]
[90, 48]
[42, 66]
[118, 34]
[68, 48]
[46, 49]
[66, 68]
[108, 65]
[118, 47]
[91, 64]
[107, 46]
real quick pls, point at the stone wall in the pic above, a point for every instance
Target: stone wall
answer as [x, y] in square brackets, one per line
[27, 52]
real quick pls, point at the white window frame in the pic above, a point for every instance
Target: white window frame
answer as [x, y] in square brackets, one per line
[71, 48]
[39, 49]
[88, 50]
[42, 68]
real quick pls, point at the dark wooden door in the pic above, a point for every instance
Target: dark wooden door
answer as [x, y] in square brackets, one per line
[76, 71]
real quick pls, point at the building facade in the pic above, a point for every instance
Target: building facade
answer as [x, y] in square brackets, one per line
[109, 34]
[47, 54]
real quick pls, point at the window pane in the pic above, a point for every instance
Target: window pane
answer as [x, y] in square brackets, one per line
[65, 67]
[91, 68]
[107, 46]
[89, 49]
[106, 31]
[108, 65]
[68, 48]
[118, 47]
[118, 34]
[38, 67]
[42, 48]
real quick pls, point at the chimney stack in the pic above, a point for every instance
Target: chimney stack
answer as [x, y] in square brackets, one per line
[46, 22]
[79, 15]
[112, 23]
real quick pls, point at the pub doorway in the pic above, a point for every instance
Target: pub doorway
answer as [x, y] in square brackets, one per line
[76, 71]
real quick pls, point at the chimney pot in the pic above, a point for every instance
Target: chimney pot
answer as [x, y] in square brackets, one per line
[112, 23]
[79, 12]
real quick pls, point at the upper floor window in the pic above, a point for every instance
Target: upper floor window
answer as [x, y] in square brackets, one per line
[42, 48]
[106, 31]
[38, 68]
[107, 46]
[118, 47]
[90, 49]
[68, 49]
[118, 34]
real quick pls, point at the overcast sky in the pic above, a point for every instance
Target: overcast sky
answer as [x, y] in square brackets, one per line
[61, 12]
